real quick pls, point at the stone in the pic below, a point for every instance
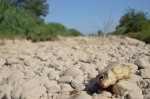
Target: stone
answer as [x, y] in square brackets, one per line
[81, 95]
[16, 92]
[5, 91]
[31, 83]
[87, 68]
[142, 63]
[65, 79]
[107, 94]
[43, 57]
[53, 89]
[42, 79]
[145, 73]
[135, 95]
[92, 75]
[78, 80]
[33, 92]
[29, 74]
[50, 84]
[66, 87]
[12, 61]
[52, 75]
[16, 76]
[73, 71]
[122, 86]
[56, 64]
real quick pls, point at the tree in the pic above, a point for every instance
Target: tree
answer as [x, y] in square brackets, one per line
[38, 7]
[134, 21]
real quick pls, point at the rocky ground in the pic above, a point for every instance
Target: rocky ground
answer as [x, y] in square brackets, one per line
[66, 69]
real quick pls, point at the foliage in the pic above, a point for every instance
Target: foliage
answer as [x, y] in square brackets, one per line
[144, 36]
[120, 31]
[134, 21]
[38, 7]
[74, 32]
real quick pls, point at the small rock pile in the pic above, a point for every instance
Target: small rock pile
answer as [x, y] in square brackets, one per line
[66, 69]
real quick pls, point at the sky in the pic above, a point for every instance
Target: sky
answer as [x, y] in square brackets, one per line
[89, 16]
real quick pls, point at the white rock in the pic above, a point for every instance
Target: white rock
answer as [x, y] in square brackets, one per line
[50, 84]
[135, 95]
[43, 57]
[87, 68]
[12, 61]
[56, 64]
[78, 80]
[16, 76]
[5, 71]
[53, 89]
[93, 74]
[30, 84]
[29, 74]
[73, 71]
[5, 91]
[42, 79]
[66, 87]
[33, 92]
[16, 92]
[82, 95]
[142, 63]
[145, 73]
[65, 79]
[122, 86]
[52, 75]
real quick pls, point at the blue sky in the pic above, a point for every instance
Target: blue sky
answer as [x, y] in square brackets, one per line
[88, 16]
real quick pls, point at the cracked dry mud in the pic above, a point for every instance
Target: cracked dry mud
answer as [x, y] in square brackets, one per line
[67, 68]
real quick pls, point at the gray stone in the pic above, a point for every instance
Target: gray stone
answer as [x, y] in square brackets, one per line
[73, 71]
[145, 73]
[52, 75]
[53, 89]
[29, 74]
[142, 63]
[43, 57]
[65, 79]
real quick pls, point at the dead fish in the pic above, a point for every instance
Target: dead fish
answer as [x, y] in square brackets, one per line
[113, 73]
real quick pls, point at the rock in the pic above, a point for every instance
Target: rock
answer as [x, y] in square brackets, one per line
[107, 94]
[66, 87]
[16, 92]
[112, 73]
[2, 62]
[87, 68]
[81, 95]
[135, 95]
[43, 57]
[142, 63]
[12, 61]
[52, 75]
[53, 89]
[16, 76]
[30, 84]
[122, 86]
[33, 92]
[78, 80]
[29, 74]
[50, 84]
[27, 62]
[145, 73]
[134, 78]
[5, 91]
[42, 79]
[56, 64]
[72, 71]
[65, 79]
[5, 71]
[92, 75]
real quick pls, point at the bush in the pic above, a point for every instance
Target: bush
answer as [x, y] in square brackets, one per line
[144, 36]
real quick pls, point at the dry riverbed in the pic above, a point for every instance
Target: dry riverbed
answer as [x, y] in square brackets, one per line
[67, 68]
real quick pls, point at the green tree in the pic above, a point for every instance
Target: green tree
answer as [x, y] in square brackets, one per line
[134, 21]
[74, 32]
[38, 7]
